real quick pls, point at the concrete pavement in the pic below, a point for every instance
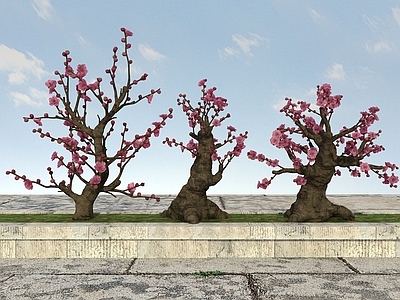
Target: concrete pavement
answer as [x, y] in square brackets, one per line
[216, 278]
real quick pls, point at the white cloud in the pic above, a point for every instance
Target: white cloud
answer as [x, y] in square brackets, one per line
[396, 14]
[228, 51]
[20, 98]
[82, 41]
[374, 24]
[381, 46]
[317, 18]
[335, 72]
[244, 45]
[149, 53]
[43, 8]
[18, 66]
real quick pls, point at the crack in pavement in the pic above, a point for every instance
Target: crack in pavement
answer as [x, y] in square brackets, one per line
[4, 280]
[130, 266]
[253, 286]
[350, 266]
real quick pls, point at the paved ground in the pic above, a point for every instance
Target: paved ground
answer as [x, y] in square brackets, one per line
[57, 203]
[253, 279]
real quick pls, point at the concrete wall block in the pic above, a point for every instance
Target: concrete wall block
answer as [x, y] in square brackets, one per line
[55, 231]
[360, 248]
[222, 231]
[7, 249]
[306, 248]
[101, 249]
[40, 249]
[170, 231]
[117, 231]
[173, 249]
[293, 231]
[388, 232]
[262, 231]
[242, 249]
[342, 231]
[11, 231]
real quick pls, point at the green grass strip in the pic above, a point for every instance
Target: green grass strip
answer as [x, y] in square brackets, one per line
[155, 218]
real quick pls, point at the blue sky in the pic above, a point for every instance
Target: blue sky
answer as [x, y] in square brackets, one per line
[255, 52]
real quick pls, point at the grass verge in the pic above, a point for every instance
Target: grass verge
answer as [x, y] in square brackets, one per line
[155, 218]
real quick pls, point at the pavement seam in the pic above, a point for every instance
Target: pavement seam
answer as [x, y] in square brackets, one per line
[349, 265]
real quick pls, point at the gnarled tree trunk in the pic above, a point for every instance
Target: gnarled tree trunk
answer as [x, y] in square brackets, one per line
[191, 205]
[311, 204]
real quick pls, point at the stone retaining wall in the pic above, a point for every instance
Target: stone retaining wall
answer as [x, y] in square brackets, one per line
[205, 240]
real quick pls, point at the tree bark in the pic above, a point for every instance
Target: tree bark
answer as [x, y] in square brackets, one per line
[191, 205]
[84, 203]
[311, 204]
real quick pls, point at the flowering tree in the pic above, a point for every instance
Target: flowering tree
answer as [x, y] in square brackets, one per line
[89, 161]
[321, 147]
[191, 205]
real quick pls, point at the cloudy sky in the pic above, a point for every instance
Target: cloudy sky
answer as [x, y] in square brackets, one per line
[255, 52]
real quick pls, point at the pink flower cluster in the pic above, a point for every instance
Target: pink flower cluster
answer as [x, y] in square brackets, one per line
[207, 114]
[325, 98]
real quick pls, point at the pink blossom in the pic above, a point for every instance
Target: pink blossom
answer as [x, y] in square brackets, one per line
[264, 183]
[81, 71]
[202, 82]
[220, 103]
[261, 157]
[389, 165]
[356, 135]
[214, 156]
[60, 163]
[216, 122]
[355, 173]
[393, 180]
[300, 180]
[191, 145]
[337, 173]
[128, 32]
[51, 85]
[94, 85]
[312, 153]
[100, 166]
[54, 101]
[82, 85]
[28, 184]
[231, 128]
[95, 180]
[149, 98]
[131, 188]
[272, 162]
[75, 157]
[297, 163]
[304, 105]
[69, 71]
[364, 167]
[252, 154]
[38, 121]
[54, 155]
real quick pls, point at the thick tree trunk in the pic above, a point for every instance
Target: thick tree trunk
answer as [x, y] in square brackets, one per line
[84, 203]
[312, 205]
[191, 205]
